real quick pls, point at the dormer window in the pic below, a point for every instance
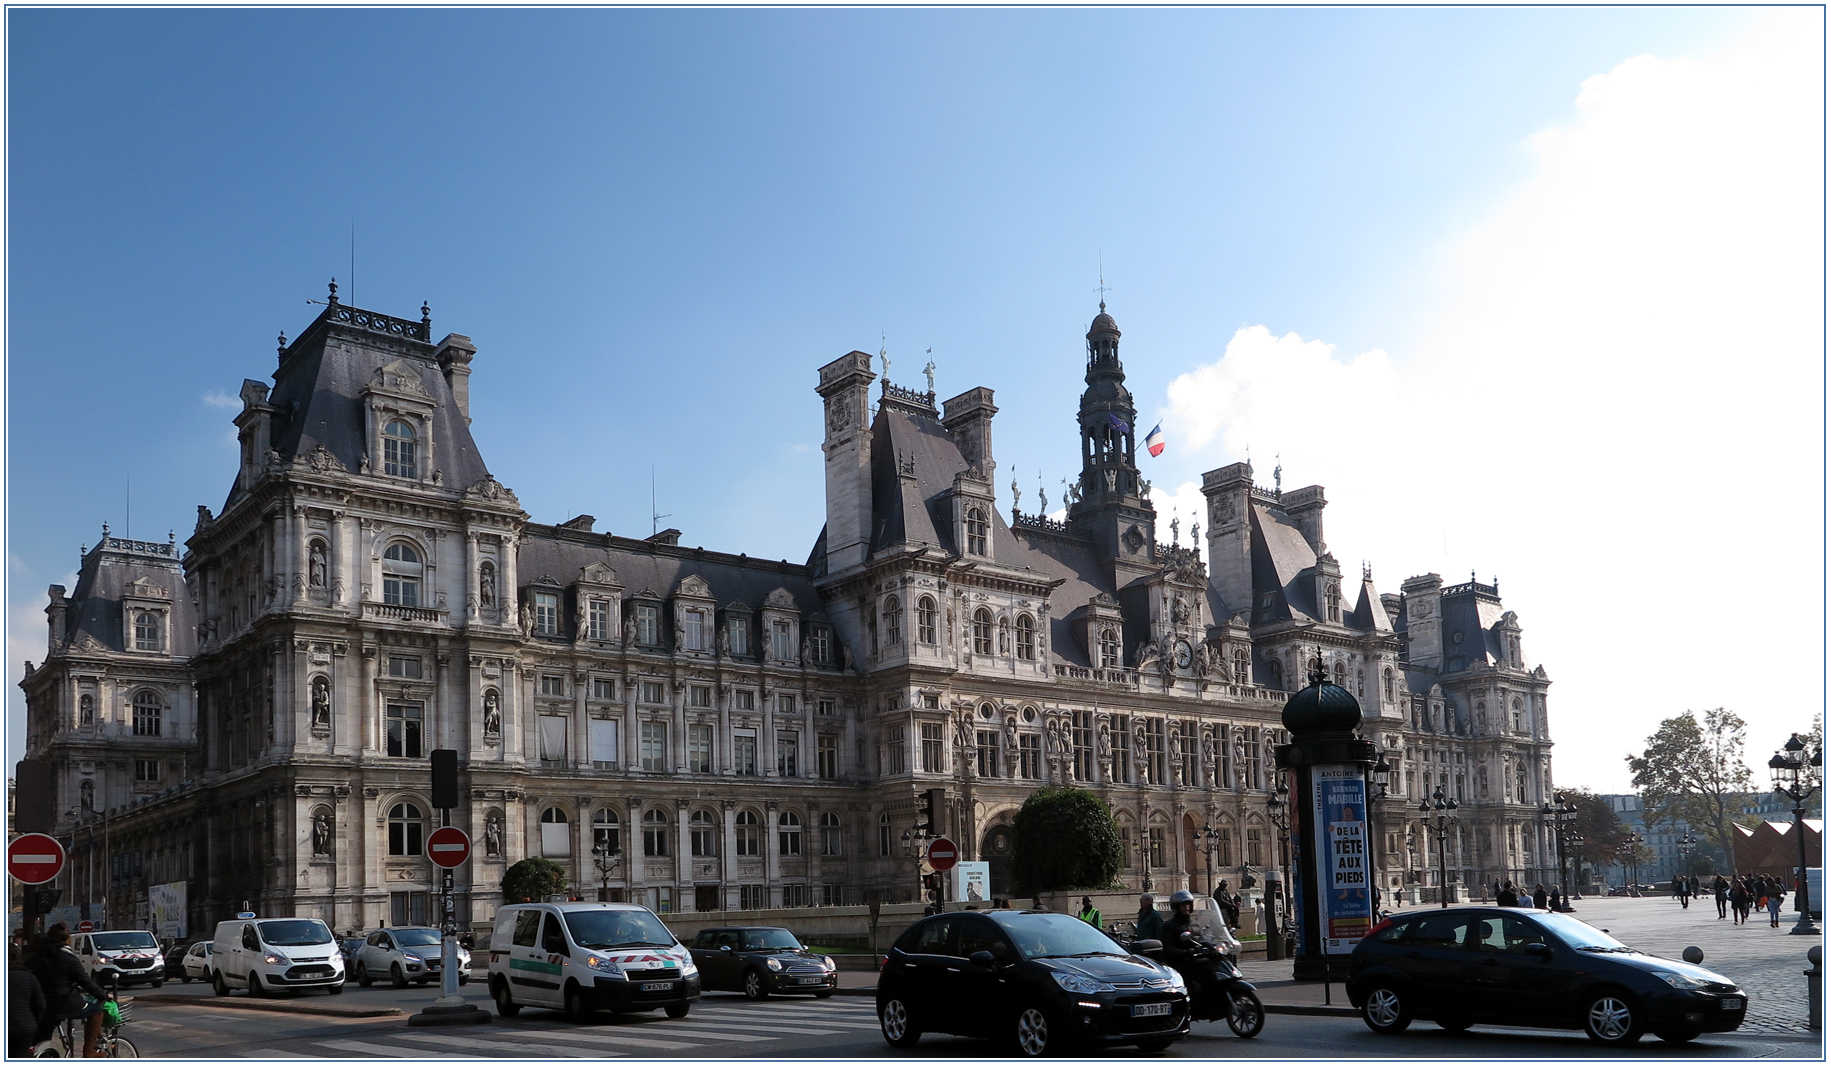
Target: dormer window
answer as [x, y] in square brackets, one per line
[695, 627]
[783, 633]
[820, 644]
[546, 614]
[400, 576]
[400, 450]
[975, 532]
[739, 629]
[648, 624]
[146, 632]
[1109, 648]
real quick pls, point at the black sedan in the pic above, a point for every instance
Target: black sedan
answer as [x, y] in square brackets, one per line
[1513, 967]
[1043, 982]
[760, 960]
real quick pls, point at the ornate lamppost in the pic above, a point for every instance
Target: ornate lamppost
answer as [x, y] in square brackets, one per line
[1797, 775]
[1378, 780]
[1439, 815]
[606, 858]
[1573, 842]
[1206, 840]
[1144, 856]
[916, 851]
[1686, 846]
[1557, 814]
[1629, 851]
[1275, 811]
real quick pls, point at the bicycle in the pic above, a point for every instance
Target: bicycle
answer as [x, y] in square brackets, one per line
[67, 1039]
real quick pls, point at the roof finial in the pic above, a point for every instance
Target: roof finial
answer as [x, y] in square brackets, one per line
[1278, 474]
[1016, 493]
[884, 354]
[426, 317]
[333, 298]
[1042, 506]
[930, 372]
[1318, 674]
[282, 342]
[1102, 290]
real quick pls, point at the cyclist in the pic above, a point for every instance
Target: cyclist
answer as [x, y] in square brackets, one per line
[61, 973]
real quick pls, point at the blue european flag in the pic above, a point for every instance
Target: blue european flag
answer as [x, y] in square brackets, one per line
[1118, 423]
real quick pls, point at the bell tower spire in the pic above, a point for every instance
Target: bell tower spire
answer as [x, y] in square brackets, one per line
[1113, 510]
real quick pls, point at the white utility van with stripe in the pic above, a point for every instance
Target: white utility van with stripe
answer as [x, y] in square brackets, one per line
[583, 957]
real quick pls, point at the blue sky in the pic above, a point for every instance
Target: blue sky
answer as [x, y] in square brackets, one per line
[656, 224]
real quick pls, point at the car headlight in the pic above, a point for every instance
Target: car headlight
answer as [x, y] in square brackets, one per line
[1176, 980]
[828, 961]
[410, 956]
[276, 959]
[1680, 981]
[774, 964]
[1080, 983]
[689, 969]
[600, 963]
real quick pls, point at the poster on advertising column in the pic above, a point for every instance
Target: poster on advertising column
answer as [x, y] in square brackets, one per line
[168, 907]
[1339, 819]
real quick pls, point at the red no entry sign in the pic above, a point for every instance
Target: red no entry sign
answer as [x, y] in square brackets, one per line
[942, 855]
[448, 846]
[34, 858]
[85, 927]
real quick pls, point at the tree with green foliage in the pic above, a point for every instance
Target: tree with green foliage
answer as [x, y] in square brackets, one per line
[1602, 830]
[533, 879]
[1692, 771]
[1064, 839]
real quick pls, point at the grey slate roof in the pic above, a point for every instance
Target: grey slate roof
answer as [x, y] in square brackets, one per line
[102, 580]
[640, 566]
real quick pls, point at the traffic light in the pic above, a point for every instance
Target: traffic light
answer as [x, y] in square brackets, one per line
[925, 817]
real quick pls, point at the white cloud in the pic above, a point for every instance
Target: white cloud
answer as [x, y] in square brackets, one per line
[1616, 406]
[216, 398]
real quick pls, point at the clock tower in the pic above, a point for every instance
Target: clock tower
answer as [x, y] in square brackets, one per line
[1112, 510]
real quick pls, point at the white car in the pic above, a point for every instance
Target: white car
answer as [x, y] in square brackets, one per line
[197, 961]
[405, 954]
[583, 957]
[121, 957]
[263, 955]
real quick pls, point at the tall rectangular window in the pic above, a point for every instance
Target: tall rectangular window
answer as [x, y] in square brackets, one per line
[827, 753]
[744, 751]
[1223, 757]
[1030, 756]
[146, 632]
[700, 696]
[820, 643]
[933, 762]
[1255, 848]
[597, 620]
[1081, 739]
[1251, 743]
[146, 770]
[546, 614]
[699, 749]
[988, 753]
[788, 752]
[1157, 843]
[1223, 853]
[1153, 747]
[1188, 753]
[739, 629]
[604, 743]
[894, 746]
[784, 633]
[832, 894]
[403, 730]
[552, 737]
[1122, 750]
[695, 629]
[148, 713]
[648, 624]
[654, 746]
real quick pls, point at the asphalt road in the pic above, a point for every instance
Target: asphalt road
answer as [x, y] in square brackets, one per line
[726, 1026]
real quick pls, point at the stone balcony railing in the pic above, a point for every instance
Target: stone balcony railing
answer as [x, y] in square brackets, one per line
[399, 612]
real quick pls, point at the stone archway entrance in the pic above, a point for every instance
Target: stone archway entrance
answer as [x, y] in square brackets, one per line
[995, 850]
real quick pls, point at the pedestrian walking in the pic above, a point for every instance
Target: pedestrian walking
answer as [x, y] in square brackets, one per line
[1721, 888]
[25, 1005]
[1739, 901]
[1692, 887]
[1679, 887]
[1539, 898]
[1150, 924]
[1506, 896]
[1088, 913]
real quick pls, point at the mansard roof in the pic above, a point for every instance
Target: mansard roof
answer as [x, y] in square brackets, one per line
[917, 512]
[642, 564]
[107, 575]
[1471, 610]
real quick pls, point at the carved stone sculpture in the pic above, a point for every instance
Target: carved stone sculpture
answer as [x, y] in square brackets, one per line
[321, 702]
[492, 835]
[319, 568]
[486, 587]
[324, 834]
[492, 714]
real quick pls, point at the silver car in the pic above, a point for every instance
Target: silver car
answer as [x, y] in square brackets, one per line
[197, 961]
[405, 954]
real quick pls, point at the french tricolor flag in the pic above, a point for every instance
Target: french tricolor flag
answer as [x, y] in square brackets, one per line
[1153, 441]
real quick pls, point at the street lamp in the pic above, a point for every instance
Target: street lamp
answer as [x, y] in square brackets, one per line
[606, 857]
[1557, 815]
[1797, 775]
[1144, 856]
[1686, 846]
[1629, 851]
[1275, 811]
[1439, 815]
[1205, 839]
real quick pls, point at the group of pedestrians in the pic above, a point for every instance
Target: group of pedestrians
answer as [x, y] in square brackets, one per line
[1741, 896]
[1508, 895]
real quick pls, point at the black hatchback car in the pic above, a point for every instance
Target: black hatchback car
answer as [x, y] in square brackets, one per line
[1044, 982]
[1524, 967]
[760, 960]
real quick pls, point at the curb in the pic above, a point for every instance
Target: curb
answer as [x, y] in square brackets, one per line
[291, 1007]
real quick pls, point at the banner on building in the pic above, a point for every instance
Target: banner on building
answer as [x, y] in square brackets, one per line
[972, 881]
[1342, 868]
[170, 908]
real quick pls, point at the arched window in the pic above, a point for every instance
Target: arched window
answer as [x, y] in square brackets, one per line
[655, 833]
[832, 834]
[975, 532]
[606, 833]
[555, 833]
[788, 833]
[1388, 685]
[1026, 637]
[1519, 717]
[704, 833]
[1109, 647]
[1242, 667]
[400, 575]
[925, 620]
[750, 834]
[147, 711]
[405, 825]
[87, 706]
[146, 632]
[982, 632]
[1341, 675]
[400, 450]
[883, 834]
[893, 621]
[1275, 668]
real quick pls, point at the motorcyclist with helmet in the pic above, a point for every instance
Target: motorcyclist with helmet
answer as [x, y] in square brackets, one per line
[1180, 944]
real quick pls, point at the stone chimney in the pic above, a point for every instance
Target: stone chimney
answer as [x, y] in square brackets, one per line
[454, 356]
[969, 418]
[845, 385]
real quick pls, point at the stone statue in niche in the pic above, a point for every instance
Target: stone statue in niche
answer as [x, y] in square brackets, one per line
[1207, 749]
[724, 641]
[1179, 609]
[1105, 747]
[680, 635]
[492, 835]
[324, 834]
[486, 586]
[492, 714]
[629, 632]
[319, 568]
[807, 652]
[321, 702]
[845, 652]
[527, 621]
[88, 710]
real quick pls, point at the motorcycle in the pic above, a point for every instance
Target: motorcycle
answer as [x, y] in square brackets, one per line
[1221, 991]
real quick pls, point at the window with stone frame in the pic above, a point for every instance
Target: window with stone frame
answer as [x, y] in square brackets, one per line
[982, 632]
[883, 834]
[652, 694]
[894, 746]
[699, 696]
[1224, 767]
[827, 755]
[400, 450]
[699, 748]
[832, 834]
[744, 751]
[1029, 756]
[1122, 750]
[933, 760]
[893, 620]
[1081, 740]
[1242, 667]
[1155, 769]
[1250, 742]
[648, 624]
[745, 699]
[654, 741]
[1109, 648]
[603, 689]
[1255, 847]
[737, 630]
[1223, 851]
[402, 730]
[987, 753]
[752, 897]
[1157, 846]
[406, 826]
[785, 704]
[597, 619]
[926, 618]
[546, 614]
[1026, 637]
[655, 832]
[148, 714]
[146, 770]
[147, 632]
[606, 832]
[826, 708]
[404, 667]
[788, 834]
[1190, 752]
[788, 754]
[976, 528]
[553, 685]
[693, 628]
[703, 828]
[749, 838]
[401, 571]
[820, 644]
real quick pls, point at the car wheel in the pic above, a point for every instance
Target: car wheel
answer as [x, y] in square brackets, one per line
[158, 982]
[334, 990]
[1248, 1015]
[397, 977]
[362, 976]
[221, 987]
[1032, 1033]
[255, 989]
[678, 1011]
[1454, 1026]
[576, 1006]
[505, 1003]
[1384, 1011]
[1156, 1044]
[1676, 1037]
[464, 979]
[754, 989]
[898, 1024]
[187, 978]
[1612, 1019]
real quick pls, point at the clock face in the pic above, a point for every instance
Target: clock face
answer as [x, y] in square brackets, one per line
[1183, 654]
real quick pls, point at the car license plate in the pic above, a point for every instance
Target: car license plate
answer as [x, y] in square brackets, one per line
[812, 981]
[1731, 1003]
[1150, 1009]
[657, 987]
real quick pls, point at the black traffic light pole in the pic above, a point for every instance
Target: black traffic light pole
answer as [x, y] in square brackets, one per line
[450, 1008]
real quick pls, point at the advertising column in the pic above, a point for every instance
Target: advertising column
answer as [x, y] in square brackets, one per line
[1339, 822]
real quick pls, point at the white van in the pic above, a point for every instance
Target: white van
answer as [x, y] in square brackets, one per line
[588, 956]
[261, 955]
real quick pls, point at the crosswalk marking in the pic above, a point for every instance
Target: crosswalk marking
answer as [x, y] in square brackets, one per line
[611, 1036]
[388, 1050]
[670, 1028]
[528, 1048]
[820, 1027]
[279, 1054]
